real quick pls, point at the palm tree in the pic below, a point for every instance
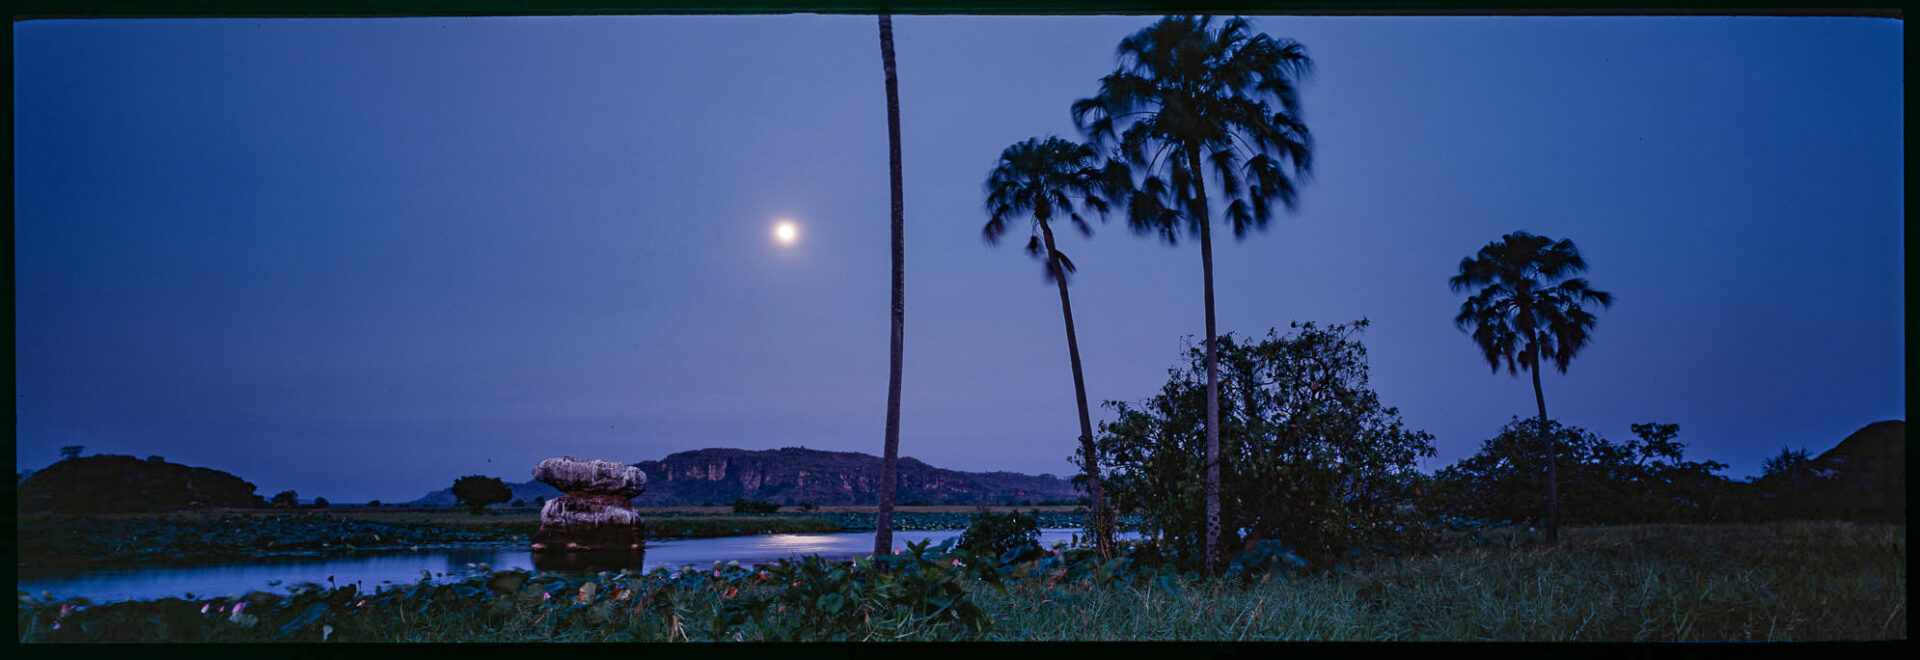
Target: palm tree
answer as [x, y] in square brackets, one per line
[890, 458]
[1528, 307]
[1041, 179]
[1187, 100]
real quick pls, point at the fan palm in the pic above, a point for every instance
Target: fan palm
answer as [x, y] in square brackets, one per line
[1529, 307]
[890, 456]
[1190, 100]
[1041, 179]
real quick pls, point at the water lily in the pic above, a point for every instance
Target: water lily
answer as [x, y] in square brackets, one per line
[204, 608]
[325, 632]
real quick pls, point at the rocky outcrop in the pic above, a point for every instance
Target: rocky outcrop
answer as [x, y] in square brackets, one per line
[593, 514]
[1863, 478]
[116, 483]
[794, 475]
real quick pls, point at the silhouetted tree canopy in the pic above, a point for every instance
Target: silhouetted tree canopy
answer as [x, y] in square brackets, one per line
[1602, 482]
[477, 491]
[1311, 456]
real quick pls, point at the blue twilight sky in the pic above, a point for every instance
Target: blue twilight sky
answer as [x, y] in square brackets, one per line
[359, 258]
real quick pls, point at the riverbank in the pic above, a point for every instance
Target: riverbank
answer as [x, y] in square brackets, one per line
[57, 542]
[1768, 582]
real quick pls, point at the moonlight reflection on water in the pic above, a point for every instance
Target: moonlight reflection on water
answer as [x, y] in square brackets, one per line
[379, 569]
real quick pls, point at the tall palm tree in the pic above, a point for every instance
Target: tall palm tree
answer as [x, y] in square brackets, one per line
[1187, 100]
[1041, 179]
[1528, 307]
[890, 458]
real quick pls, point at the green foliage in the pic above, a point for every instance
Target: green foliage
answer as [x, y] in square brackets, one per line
[476, 492]
[1601, 482]
[1004, 536]
[1310, 455]
[744, 505]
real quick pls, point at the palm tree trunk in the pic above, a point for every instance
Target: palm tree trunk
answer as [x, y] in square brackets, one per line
[1553, 473]
[1211, 488]
[890, 459]
[1102, 531]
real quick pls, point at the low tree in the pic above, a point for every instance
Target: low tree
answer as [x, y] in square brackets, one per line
[373, 504]
[1312, 457]
[285, 499]
[476, 492]
[71, 452]
[321, 503]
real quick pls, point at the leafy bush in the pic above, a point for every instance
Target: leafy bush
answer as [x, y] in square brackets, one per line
[1006, 536]
[321, 503]
[1309, 454]
[744, 505]
[285, 499]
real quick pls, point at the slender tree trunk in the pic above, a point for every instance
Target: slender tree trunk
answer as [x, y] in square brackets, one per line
[890, 460]
[1553, 473]
[1102, 530]
[1211, 488]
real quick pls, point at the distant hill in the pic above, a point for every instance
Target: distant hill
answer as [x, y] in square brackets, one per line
[112, 482]
[794, 475]
[1862, 478]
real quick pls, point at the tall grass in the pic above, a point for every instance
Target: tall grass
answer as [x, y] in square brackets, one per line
[1784, 581]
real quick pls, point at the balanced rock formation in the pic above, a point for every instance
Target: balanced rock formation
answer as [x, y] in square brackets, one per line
[593, 513]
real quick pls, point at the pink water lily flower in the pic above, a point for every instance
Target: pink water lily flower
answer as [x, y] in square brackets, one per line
[204, 608]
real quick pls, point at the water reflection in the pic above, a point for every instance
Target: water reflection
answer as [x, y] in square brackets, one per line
[588, 561]
[379, 569]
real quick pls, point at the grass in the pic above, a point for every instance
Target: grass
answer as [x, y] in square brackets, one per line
[1767, 582]
[1759, 582]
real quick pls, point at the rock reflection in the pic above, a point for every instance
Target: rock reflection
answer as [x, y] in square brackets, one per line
[588, 561]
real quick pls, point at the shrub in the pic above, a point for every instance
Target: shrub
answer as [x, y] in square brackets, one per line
[744, 505]
[321, 503]
[286, 499]
[1008, 536]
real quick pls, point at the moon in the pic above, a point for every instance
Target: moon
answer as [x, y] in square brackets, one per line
[785, 232]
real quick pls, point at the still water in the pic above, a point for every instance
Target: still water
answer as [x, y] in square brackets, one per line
[374, 570]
